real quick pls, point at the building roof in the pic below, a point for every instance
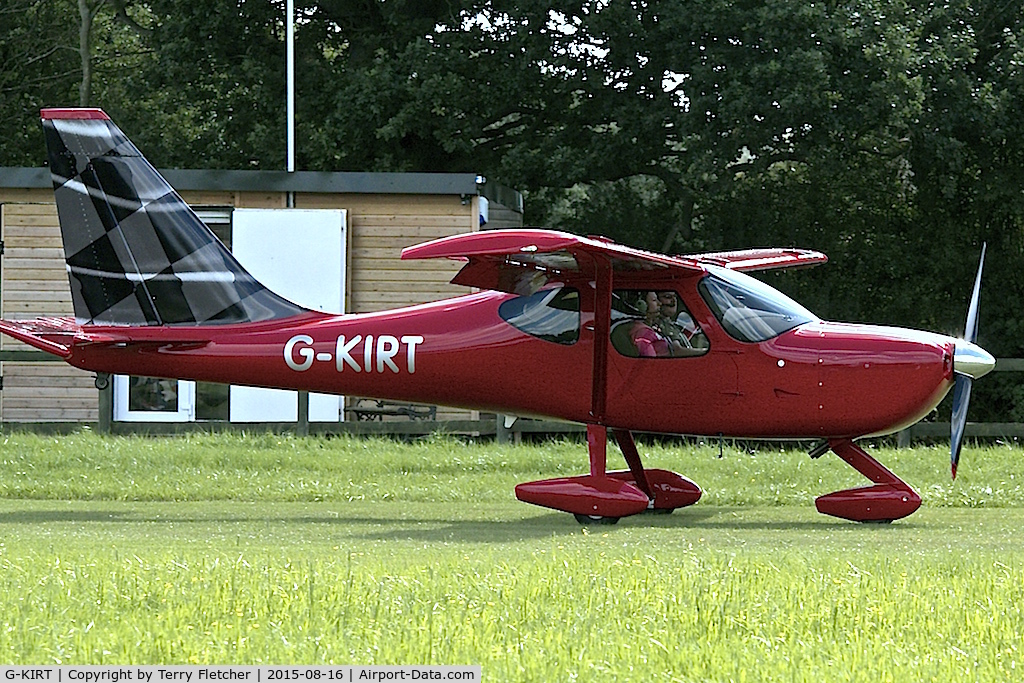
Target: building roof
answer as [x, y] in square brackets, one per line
[462, 184]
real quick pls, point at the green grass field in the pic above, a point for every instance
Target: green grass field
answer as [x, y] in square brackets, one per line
[275, 549]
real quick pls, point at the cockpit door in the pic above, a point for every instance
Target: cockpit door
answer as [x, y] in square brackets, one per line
[670, 369]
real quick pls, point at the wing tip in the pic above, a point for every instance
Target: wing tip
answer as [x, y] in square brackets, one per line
[80, 113]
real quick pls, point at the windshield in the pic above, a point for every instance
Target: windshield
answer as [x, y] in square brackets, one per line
[748, 309]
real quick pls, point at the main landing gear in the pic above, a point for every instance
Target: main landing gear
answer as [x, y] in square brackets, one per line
[604, 497]
[890, 498]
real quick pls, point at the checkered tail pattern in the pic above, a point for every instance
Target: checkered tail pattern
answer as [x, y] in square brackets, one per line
[136, 253]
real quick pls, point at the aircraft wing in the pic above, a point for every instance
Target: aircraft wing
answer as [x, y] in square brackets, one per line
[521, 261]
[760, 259]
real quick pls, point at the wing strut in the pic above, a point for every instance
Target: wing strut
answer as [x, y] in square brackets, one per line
[602, 336]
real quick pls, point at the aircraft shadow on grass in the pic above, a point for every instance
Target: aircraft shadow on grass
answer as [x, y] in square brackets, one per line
[433, 529]
[28, 517]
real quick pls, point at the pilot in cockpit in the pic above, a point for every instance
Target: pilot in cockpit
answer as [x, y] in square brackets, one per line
[677, 325]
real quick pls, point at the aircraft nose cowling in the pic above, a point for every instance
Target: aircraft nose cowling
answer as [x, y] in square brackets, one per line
[972, 360]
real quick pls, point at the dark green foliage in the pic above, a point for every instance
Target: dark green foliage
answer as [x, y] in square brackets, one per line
[37, 69]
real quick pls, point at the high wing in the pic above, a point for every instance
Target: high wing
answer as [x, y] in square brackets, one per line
[760, 259]
[521, 261]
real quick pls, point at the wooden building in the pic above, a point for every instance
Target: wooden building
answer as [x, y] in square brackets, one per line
[382, 213]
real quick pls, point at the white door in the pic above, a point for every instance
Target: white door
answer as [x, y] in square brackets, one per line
[300, 254]
[148, 399]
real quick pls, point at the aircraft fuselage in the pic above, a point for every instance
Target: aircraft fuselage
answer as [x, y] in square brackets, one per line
[820, 379]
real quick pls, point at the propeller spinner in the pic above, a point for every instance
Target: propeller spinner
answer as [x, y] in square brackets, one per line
[970, 362]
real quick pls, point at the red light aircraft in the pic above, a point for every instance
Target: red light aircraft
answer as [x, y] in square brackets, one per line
[565, 327]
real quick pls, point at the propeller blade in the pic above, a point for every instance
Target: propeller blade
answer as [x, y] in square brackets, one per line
[974, 362]
[961, 397]
[971, 328]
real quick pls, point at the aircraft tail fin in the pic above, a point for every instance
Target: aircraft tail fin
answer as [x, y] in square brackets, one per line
[136, 252]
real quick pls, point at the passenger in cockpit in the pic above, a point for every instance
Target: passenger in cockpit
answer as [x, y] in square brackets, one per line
[648, 341]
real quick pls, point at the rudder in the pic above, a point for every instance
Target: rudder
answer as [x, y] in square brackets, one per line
[136, 252]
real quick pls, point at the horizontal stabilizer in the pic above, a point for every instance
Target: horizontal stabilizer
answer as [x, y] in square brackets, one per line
[53, 335]
[58, 336]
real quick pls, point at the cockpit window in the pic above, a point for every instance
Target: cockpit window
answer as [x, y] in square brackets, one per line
[654, 324]
[748, 309]
[550, 314]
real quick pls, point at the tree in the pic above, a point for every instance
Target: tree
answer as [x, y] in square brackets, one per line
[218, 78]
[37, 69]
[51, 56]
[618, 98]
[873, 131]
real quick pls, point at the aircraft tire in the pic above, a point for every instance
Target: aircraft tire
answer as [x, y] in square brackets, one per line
[596, 520]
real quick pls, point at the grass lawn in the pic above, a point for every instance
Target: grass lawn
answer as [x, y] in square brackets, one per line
[276, 550]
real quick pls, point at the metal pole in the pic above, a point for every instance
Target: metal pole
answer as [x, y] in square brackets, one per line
[303, 396]
[291, 85]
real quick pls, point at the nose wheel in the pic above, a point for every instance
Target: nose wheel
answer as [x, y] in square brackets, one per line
[890, 497]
